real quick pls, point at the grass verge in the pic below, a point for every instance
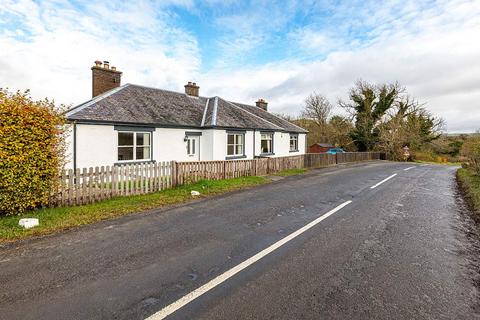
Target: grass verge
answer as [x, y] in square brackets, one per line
[470, 185]
[291, 172]
[56, 219]
[440, 163]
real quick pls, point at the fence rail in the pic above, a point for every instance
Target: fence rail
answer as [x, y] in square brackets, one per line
[100, 183]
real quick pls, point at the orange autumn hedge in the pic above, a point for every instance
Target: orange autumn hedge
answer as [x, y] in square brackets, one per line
[31, 151]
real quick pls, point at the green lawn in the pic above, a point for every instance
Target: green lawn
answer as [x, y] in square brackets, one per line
[291, 172]
[56, 219]
[470, 183]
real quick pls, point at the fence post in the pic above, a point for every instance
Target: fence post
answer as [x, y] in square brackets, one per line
[173, 173]
[224, 169]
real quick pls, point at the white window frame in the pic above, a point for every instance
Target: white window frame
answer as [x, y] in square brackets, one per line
[293, 137]
[269, 136]
[191, 146]
[135, 146]
[235, 144]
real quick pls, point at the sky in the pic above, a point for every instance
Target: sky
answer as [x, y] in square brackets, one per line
[277, 50]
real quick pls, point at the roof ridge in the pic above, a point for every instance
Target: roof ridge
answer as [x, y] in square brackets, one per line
[205, 112]
[95, 100]
[273, 124]
[274, 115]
[171, 91]
[214, 112]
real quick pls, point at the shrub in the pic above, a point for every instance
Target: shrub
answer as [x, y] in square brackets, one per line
[31, 151]
[422, 155]
[471, 149]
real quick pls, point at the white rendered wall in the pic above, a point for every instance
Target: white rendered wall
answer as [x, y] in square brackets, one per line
[281, 144]
[220, 144]
[302, 140]
[206, 145]
[169, 144]
[96, 145]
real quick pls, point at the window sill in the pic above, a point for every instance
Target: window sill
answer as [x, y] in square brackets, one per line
[267, 154]
[121, 163]
[294, 150]
[235, 157]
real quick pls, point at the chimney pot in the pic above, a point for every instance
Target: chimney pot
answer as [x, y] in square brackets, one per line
[104, 79]
[262, 104]
[192, 89]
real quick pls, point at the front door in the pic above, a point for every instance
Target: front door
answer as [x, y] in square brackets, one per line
[193, 146]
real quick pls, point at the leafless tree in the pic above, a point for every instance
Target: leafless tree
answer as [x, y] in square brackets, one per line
[317, 108]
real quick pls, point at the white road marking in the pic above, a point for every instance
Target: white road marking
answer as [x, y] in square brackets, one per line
[168, 310]
[384, 180]
[406, 169]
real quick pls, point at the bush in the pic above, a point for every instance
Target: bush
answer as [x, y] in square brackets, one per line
[471, 149]
[31, 151]
[470, 185]
[424, 156]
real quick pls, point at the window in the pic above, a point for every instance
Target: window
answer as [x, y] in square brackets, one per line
[134, 146]
[235, 144]
[266, 143]
[191, 146]
[293, 142]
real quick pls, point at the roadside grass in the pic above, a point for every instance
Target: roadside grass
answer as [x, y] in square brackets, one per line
[56, 219]
[440, 163]
[470, 184]
[291, 172]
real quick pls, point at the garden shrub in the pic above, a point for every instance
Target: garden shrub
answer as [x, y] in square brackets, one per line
[31, 151]
[471, 149]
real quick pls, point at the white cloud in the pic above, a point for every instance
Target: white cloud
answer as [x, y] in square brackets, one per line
[314, 43]
[62, 43]
[435, 56]
[430, 47]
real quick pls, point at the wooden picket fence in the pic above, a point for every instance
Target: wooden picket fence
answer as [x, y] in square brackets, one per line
[100, 183]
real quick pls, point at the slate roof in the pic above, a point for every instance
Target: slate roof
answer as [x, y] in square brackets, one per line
[139, 105]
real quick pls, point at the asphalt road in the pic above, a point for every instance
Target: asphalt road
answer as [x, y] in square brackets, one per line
[406, 249]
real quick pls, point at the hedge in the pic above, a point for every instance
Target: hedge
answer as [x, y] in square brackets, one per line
[31, 151]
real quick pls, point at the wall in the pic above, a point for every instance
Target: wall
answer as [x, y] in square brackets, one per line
[206, 145]
[219, 142]
[281, 144]
[302, 143]
[169, 144]
[97, 145]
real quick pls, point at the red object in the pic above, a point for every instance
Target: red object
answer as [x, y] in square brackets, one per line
[320, 147]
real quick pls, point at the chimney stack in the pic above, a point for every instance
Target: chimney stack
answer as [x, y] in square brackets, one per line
[104, 78]
[192, 89]
[261, 103]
